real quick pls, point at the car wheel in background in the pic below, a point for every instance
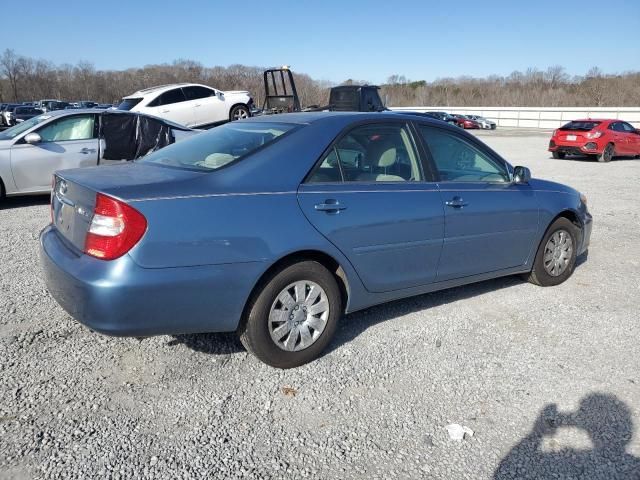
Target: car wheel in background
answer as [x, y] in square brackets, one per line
[556, 256]
[558, 155]
[293, 316]
[239, 112]
[607, 154]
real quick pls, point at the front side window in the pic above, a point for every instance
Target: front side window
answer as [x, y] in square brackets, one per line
[196, 92]
[371, 153]
[80, 127]
[628, 128]
[220, 146]
[458, 161]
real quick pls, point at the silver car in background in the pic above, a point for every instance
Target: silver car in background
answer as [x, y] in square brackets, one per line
[484, 123]
[33, 150]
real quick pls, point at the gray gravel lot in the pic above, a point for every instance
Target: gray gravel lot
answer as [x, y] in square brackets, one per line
[548, 378]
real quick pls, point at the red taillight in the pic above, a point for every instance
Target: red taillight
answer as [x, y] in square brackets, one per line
[593, 135]
[555, 133]
[115, 228]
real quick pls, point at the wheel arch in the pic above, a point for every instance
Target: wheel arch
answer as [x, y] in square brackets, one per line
[323, 258]
[570, 215]
[236, 105]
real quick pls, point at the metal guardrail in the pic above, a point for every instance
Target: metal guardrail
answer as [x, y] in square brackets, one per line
[532, 117]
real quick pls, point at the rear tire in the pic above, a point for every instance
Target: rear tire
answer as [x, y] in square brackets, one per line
[296, 305]
[558, 155]
[239, 112]
[607, 154]
[556, 256]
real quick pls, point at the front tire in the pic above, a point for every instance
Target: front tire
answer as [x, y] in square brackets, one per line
[556, 256]
[239, 112]
[294, 315]
[607, 154]
[558, 155]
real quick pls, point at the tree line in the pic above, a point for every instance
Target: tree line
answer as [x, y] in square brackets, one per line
[23, 78]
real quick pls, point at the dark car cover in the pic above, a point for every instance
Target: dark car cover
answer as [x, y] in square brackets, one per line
[128, 136]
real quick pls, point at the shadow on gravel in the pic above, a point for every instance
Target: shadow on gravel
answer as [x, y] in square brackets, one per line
[608, 423]
[211, 343]
[591, 158]
[358, 322]
[26, 201]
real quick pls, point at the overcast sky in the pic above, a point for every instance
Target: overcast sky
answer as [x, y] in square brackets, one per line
[333, 40]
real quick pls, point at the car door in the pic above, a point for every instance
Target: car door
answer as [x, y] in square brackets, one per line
[632, 137]
[369, 196]
[173, 106]
[67, 142]
[207, 106]
[619, 137]
[490, 222]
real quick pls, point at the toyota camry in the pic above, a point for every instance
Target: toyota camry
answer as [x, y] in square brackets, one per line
[275, 227]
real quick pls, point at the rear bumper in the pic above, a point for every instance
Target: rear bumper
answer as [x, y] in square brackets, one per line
[587, 148]
[123, 299]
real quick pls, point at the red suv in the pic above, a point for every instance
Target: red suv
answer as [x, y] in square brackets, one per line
[602, 138]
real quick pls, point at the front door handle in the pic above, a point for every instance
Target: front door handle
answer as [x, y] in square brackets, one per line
[330, 206]
[88, 150]
[456, 202]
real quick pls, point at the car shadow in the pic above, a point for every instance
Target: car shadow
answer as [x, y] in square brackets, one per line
[541, 455]
[592, 158]
[356, 323]
[209, 343]
[24, 201]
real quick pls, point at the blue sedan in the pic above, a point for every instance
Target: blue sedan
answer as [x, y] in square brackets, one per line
[276, 226]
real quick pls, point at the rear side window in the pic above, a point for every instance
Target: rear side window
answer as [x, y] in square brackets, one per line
[167, 98]
[458, 161]
[194, 93]
[583, 126]
[371, 153]
[220, 146]
[128, 103]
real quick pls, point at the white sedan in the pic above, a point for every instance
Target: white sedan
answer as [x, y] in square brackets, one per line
[32, 150]
[190, 104]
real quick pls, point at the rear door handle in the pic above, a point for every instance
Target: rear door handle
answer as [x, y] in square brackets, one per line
[456, 202]
[88, 150]
[330, 206]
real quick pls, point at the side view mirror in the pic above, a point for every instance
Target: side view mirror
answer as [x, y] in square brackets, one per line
[32, 138]
[521, 175]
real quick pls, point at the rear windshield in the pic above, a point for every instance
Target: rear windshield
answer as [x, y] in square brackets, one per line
[129, 103]
[218, 147]
[584, 126]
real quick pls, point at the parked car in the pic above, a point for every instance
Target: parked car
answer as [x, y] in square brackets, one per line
[465, 122]
[190, 104]
[32, 150]
[7, 114]
[443, 116]
[483, 122]
[602, 138]
[51, 105]
[22, 113]
[274, 227]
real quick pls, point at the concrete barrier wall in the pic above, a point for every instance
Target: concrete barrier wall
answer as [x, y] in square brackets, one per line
[531, 117]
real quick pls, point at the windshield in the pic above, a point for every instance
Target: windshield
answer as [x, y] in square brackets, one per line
[220, 146]
[585, 126]
[13, 132]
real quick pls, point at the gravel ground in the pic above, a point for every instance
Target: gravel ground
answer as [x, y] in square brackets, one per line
[547, 378]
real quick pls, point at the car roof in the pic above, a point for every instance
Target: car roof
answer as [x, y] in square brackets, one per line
[343, 117]
[161, 89]
[597, 120]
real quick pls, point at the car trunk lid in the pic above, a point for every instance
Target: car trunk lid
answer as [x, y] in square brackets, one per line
[73, 196]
